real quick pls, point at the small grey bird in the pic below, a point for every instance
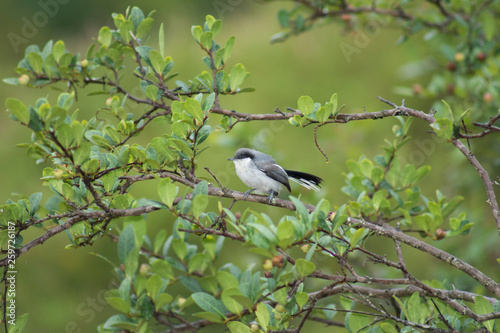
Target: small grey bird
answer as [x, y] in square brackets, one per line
[260, 172]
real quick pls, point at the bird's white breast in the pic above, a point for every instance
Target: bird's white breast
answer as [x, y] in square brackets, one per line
[255, 178]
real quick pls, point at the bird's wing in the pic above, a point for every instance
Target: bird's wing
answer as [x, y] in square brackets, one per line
[274, 171]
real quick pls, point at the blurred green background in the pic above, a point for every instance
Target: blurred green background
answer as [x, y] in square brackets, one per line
[62, 289]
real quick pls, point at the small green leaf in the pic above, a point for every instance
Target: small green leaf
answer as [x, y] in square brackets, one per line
[193, 107]
[237, 327]
[162, 300]
[443, 128]
[36, 62]
[82, 154]
[18, 109]
[402, 306]
[230, 302]
[105, 36]
[448, 108]
[152, 92]
[161, 40]
[388, 328]
[237, 76]
[356, 237]
[58, 50]
[228, 48]
[208, 303]
[34, 201]
[301, 299]
[306, 105]
[126, 242]
[167, 191]
[414, 310]
[119, 304]
[163, 269]
[263, 317]
[196, 31]
[144, 28]
[304, 267]
[200, 202]
[64, 135]
[483, 306]
[180, 248]
[126, 28]
[206, 40]
[153, 286]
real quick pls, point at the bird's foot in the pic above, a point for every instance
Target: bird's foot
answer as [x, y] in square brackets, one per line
[247, 193]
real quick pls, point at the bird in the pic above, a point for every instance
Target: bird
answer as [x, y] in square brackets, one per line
[260, 172]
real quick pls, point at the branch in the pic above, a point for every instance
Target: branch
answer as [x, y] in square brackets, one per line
[473, 272]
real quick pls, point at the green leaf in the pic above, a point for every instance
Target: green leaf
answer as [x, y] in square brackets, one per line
[196, 31]
[159, 240]
[64, 134]
[306, 105]
[366, 167]
[443, 128]
[450, 206]
[226, 280]
[200, 202]
[163, 269]
[34, 201]
[193, 107]
[152, 92]
[162, 300]
[206, 39]
[161, 40]
[82, 154]
[208, 303]
[358, 321]
[388, 328]
[414, 309]
[216, 27]
[230, 302]
[448, 108]
[402, 306]
[126, 242]
[132, 262]
[125, 30]
[157, 61]
[18, 110]
[263, 317]
[167, 191]
[304, 267]
[58, 50]
[356, 237]
[144, 28]
[153, 286]
[483, 306]
[120, 321]
[237, 76]
[228, 48]
[119, 304]
[237, 327]
[104, 36]
[179, 248]
[301, 299]
[36, 62]
[20, 324]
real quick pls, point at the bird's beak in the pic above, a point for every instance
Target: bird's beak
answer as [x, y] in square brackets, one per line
[230, 159]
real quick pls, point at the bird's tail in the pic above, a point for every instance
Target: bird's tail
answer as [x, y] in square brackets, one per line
[307, 180]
